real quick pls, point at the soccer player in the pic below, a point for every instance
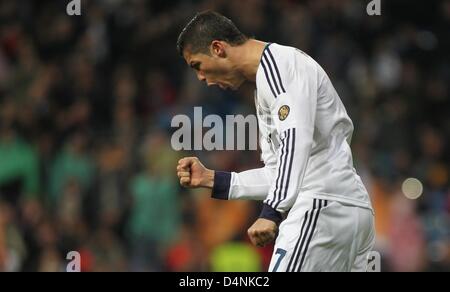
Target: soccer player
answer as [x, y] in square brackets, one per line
[312, 194]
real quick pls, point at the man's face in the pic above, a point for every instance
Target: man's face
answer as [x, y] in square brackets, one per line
[214, 69]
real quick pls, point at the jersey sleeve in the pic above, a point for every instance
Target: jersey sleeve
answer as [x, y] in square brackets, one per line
[295, 87]
[252, 184]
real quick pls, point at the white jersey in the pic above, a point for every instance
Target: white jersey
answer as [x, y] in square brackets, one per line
[305, 134]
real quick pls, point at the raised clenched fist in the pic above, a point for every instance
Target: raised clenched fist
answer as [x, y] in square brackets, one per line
[193, 174]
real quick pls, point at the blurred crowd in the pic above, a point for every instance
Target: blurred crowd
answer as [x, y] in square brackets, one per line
[86, 103]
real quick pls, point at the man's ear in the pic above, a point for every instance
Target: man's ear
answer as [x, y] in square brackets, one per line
[217, 48]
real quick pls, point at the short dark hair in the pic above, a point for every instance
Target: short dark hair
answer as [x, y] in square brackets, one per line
[206, 27]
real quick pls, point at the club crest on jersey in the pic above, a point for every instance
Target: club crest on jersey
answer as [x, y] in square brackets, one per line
[283, 112]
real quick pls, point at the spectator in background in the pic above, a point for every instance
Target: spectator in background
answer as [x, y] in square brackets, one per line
[19, 167]
[13, 249]
[154, 218]
[72, 163]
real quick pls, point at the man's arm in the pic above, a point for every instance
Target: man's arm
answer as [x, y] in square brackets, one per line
[294, 114]
[252, 184]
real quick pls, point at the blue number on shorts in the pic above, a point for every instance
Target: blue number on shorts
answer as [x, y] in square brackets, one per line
[282, 253]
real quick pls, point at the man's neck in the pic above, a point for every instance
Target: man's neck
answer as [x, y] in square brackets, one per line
[247, 58]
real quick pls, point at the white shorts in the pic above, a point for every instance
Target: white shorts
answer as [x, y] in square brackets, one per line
[322, 235]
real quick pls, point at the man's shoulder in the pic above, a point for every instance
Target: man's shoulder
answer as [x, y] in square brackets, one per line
[286, 51]
[290, 57]
[281, 52]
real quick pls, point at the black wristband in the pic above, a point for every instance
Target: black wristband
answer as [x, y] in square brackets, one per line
[271, 214]
[221, 188]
